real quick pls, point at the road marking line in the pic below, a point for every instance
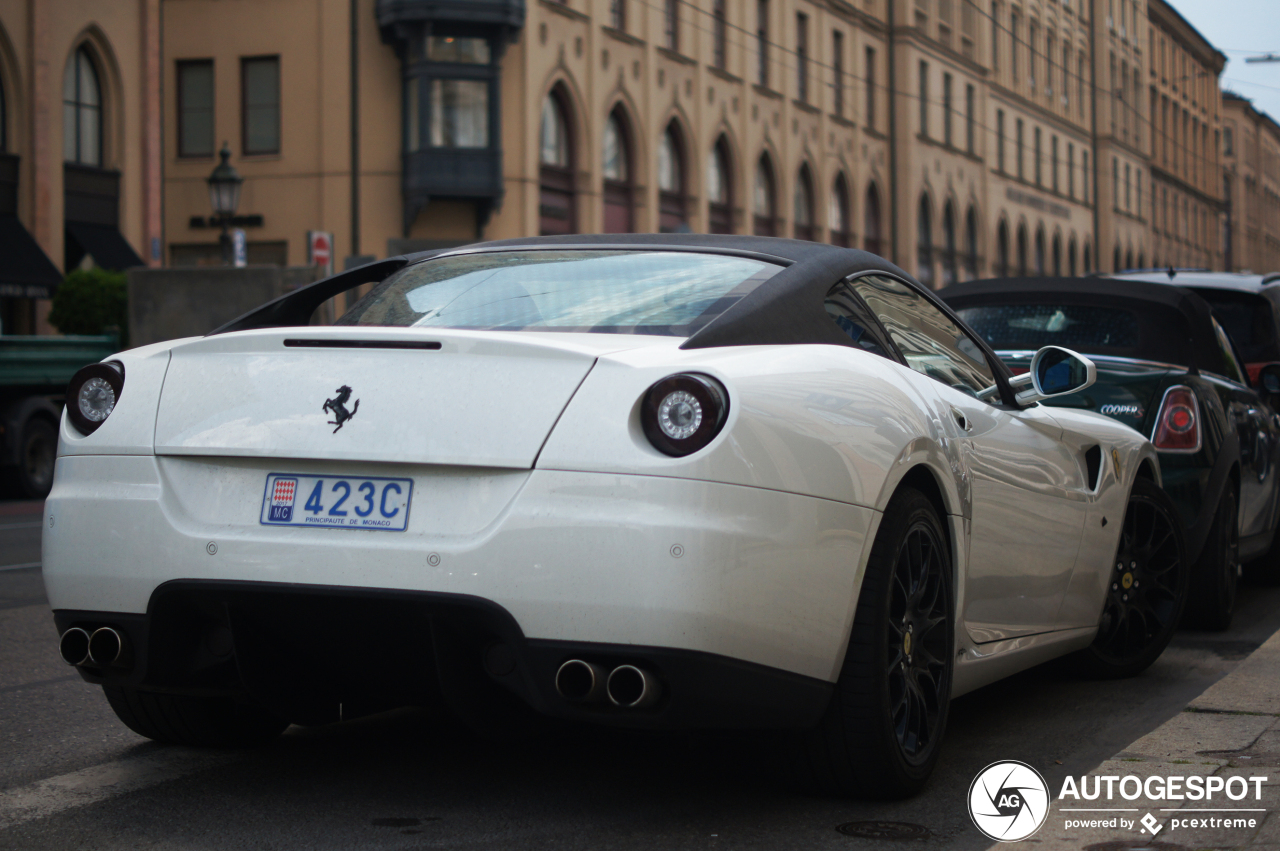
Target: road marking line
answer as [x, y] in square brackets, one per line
[27, 566]
[34, 524]
[55, 795]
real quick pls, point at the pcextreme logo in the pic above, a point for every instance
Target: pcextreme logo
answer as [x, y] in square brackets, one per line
[1008, 801]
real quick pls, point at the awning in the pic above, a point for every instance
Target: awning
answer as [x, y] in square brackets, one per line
[104, 244]
[25, 271]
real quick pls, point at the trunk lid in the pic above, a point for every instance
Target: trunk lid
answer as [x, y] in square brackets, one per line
[471, 398]
[1126, 390]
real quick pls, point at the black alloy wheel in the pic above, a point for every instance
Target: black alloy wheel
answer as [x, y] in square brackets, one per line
[1147, 589]
[919, 676]
[880, 736]
[1216, 574]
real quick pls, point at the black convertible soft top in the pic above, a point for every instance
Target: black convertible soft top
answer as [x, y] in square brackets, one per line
[785, 309]
[1175, 325]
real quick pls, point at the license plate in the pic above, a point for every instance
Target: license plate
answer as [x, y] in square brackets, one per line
[336, 502]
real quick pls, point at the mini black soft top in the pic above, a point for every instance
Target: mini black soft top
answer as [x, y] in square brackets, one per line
[1175, 324]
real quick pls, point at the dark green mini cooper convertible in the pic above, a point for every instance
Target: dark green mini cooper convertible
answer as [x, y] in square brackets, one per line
[1168, 369]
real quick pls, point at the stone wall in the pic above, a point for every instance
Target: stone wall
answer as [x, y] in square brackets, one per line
[165, 304]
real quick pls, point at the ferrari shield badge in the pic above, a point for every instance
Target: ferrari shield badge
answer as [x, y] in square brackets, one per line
[1115, 460]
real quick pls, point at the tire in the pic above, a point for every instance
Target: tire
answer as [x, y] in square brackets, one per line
[1216, 574]
[197, 721]
[881, 733]
[1148, 591]
[37, 453]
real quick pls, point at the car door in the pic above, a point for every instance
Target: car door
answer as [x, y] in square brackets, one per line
[1029, 496]
[1249, 416]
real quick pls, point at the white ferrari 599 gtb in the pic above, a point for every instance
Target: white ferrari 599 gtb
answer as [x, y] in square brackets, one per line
[663, 481]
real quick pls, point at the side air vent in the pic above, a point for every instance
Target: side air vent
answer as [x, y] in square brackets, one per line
[1093, 465]
[362, 344]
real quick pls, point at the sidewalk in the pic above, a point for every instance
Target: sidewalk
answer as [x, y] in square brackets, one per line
[1232, 730]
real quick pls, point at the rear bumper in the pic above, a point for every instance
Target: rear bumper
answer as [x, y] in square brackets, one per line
[316, 654]
[744, 575]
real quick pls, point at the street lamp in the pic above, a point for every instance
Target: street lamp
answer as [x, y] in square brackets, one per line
[224, 196]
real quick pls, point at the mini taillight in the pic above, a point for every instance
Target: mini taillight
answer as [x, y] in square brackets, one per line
[1178, 423]
[93, 394]
[683, 413]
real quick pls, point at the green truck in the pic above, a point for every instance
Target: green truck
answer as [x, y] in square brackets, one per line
[34, 372]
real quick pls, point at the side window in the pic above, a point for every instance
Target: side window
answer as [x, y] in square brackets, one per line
[851, 316]
[1229, 362]
[932, 344]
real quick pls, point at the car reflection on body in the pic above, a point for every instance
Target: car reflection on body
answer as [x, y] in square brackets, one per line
[664, 481]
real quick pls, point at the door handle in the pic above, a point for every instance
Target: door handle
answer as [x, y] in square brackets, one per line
[961, 420]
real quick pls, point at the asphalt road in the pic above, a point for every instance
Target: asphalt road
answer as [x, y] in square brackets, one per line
[71, 776]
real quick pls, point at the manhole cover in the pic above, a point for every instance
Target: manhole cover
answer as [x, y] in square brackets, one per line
[1246, 758]
[884, 830]
[1135, 845]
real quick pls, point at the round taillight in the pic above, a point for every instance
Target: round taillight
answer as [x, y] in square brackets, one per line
[1181, 418]
[683, 413]
[93, 394]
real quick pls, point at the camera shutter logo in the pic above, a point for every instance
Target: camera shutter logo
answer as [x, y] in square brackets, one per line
[1008, 801]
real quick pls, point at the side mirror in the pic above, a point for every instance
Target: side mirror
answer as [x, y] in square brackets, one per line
[1269, 380]
[1056, 371]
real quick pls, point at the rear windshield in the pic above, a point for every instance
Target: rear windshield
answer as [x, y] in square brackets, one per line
[1248, 320]
[672, 293]
[1073, 326]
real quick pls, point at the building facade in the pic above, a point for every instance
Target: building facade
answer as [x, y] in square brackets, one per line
[79, 145]
[1186, 205]
[1250, 187]
[958, 138]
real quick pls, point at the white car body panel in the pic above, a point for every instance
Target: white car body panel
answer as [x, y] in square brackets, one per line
[546, 498]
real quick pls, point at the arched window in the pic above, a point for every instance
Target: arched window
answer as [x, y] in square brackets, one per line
[1071, 256]
[1115, 260]
[671, 201]
[719, 188]
[618, 179]
[838, 214]
[924, 244]
[1002, 250]
[950, 264]
[556, 202]
[81, 111]
[1128, 259]
[764, 204]
[1140, 265]
[1085, 265]
[1057, 255]
[871, 221]
[1022, 250]
[1039, 251]
[803, 222]
[971, 244]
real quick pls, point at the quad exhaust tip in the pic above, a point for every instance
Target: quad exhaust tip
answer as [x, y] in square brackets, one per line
[74, 646]
[581, 682]
[102, 648]
[632, 687]
[107, 647]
